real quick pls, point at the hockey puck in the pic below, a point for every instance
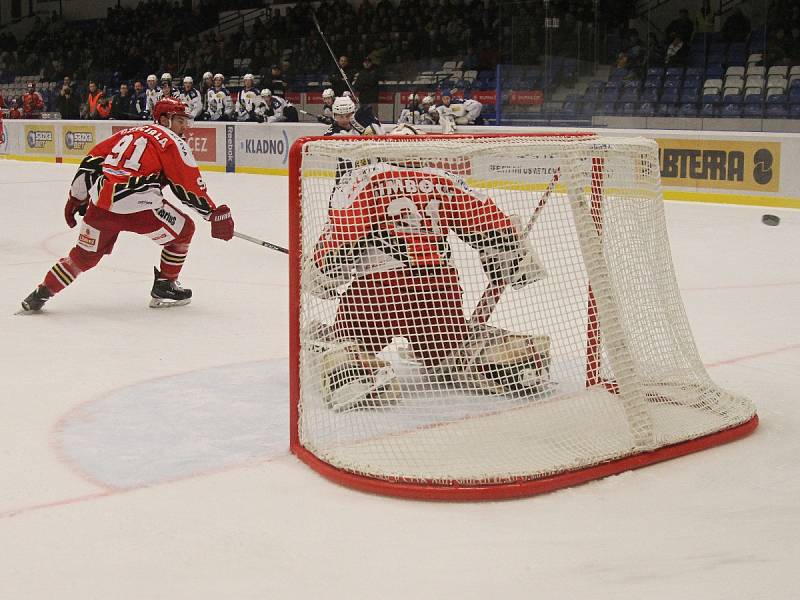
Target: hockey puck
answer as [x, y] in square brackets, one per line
[771, 220]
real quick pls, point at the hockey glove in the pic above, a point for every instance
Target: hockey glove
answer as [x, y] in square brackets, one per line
[74, 206]
[513, 262]
[221, 223]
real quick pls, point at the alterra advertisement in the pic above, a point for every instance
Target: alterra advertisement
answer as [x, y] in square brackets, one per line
[720, 164]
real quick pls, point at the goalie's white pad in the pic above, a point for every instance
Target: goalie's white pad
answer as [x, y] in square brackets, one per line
[500, 362]
[317, 283]
[518, 266]
[354, 379]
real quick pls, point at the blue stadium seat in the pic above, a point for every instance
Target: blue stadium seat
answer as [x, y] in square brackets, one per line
[654, 81]
[776, 111]
[669, 95]
[610, 94]
[708, 109]
[647, 109]
[628, 109]
[675, 72]
[731, 110]
[606, 108]
[692, 81]
[732, 99]
[629, 95]
[711, 99]
[694, 72]
[672, 81]
[667, 109]
[690, 95]
[715, 72]
[777, 99]
[659, 71]
[649, 95]
[752, 110]
[687, 110]
[794, 111]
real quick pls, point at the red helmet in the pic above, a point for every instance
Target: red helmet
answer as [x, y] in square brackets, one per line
[168, 107]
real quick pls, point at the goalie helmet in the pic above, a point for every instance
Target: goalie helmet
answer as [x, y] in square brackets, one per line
[328, 93]
[343, 106]
[168, 107]
[266, 93]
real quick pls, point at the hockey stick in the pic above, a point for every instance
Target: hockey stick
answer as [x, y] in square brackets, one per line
[491, 295]
[333, 56]
[269, 245]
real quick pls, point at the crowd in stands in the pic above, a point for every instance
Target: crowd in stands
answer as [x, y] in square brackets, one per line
[284, 45]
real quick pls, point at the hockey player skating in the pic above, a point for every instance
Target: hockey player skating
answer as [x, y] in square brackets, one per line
[274, 109]
[118, 187]
[191, 97]
[219, 103]
[384, 255]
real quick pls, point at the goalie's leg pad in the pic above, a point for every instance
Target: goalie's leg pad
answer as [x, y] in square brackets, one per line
[499, 362]
[354, 379]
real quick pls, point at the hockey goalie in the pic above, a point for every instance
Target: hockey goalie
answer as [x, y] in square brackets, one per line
[384, 256]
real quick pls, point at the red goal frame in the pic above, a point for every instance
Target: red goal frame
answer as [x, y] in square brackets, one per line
[430, 490]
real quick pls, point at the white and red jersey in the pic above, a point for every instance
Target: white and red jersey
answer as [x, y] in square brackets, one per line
[383, 216]
[126, 172]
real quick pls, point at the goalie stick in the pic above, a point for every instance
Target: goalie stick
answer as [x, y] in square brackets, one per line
[269, 245]
[491, 295]
[333, 56]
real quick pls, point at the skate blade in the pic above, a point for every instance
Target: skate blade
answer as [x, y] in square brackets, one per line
[24, 312]
[162, 303]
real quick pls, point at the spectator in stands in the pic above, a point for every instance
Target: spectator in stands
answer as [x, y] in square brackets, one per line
[103, 108]
[68, 104]
[92, 99]
[337, 82]
[121, 103]
[736, 27]
[32, 103]
[365, 84]
[275, 82]
[705, 18]
[138, 107]
[13, 109]
[654, 56]
[682, 27]
[676, 53]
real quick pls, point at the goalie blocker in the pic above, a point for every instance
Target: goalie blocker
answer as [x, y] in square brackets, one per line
[385, 253]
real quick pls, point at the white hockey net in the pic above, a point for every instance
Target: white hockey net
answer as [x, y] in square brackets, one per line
[592, 362]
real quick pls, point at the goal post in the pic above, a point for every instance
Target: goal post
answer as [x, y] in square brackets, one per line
[586, 369]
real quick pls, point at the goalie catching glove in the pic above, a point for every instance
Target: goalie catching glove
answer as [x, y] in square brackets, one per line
[511, 259]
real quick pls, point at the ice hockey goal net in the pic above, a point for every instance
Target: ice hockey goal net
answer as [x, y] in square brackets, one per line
[614, 380]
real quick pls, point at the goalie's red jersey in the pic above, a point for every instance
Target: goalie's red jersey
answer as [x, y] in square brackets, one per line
[384, 216]
[126, 172]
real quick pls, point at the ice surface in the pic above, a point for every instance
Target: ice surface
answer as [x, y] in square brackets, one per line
[143, 453]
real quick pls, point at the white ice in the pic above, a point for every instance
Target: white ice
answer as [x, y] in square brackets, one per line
[144, 453]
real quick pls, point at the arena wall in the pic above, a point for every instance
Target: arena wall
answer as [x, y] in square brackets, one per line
[719, 167]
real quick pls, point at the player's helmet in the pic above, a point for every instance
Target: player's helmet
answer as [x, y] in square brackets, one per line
[152, 78]
[328, 93]
[219, 76]
[166, 107]
[188, 79]
[427, 100]
[343, 106]
[166, 77]
[248, 76]
[413, 98]
[207, 75]
[266, 93]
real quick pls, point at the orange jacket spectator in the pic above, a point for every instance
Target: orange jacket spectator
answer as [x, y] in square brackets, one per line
[13, 110]
[32, 103]
[103, 108]
[92, 100]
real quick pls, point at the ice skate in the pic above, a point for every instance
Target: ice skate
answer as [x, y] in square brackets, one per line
[168, 293]
[35, 300]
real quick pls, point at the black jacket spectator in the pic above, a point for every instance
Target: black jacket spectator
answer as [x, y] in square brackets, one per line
[275, 82]
[121, 104]
[68, 104]
[337, 81]
[365, 83]
[683, 26]
[736, 27]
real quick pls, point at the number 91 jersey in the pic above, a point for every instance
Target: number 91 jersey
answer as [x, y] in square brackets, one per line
[384, 216]
[126, 172]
